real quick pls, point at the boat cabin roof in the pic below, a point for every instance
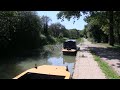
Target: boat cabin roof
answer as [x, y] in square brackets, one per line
[30, 75]
[69, 44]
[70, 40]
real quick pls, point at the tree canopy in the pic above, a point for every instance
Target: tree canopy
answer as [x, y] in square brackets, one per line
[99, 22]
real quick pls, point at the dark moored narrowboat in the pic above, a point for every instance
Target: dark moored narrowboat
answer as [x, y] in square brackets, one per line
[69, 47]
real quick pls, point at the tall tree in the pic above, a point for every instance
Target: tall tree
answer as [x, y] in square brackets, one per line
[19, 30]
[57, 29]
[45, 21]
[111, 33]
[77, 14]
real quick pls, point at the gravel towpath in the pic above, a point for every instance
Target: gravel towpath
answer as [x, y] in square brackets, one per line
[85, 66]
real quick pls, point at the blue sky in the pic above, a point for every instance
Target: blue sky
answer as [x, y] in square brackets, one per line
[79, 24]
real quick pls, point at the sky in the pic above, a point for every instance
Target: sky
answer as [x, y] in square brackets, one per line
[79, 24]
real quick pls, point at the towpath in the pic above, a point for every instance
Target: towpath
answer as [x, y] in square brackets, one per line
[85, 66]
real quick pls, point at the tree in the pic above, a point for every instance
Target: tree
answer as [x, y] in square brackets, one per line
[117, 26]
[57, 29]
[111, 33]
[74, 33]
[8, 22]
[27, 35]
[45, 21]
[96, 14]
[19, 30]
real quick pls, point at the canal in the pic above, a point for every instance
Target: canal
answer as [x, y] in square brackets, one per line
[49, 55]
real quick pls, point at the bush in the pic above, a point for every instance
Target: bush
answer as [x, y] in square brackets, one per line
[43, 40]
[61, 40]
[51, 40]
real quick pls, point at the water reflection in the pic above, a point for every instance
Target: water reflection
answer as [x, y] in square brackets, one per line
[51, 55]
[56, 61]
[69, 61]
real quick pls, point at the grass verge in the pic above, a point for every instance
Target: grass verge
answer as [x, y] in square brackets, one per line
[107, 70]
[80, 40]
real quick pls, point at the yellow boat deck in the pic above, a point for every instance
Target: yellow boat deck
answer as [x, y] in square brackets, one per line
[49, 70]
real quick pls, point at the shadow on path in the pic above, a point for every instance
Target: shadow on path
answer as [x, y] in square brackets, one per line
[110, 55]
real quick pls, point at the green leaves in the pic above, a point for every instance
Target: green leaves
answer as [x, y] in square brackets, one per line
[19, 29]
[56, 29]
[107, 21]
[68, 15]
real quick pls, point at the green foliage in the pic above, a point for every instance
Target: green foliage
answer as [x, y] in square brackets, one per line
[45, 20]
[51, 40]
[68, 15]
[20, 30]
[107, 21]
[57, 30]
[43, 39]
[74, 33]
[61, 40]
[79, 41]
[66, 33]
[81, 33]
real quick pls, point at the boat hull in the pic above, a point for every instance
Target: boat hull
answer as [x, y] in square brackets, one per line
[69, 52]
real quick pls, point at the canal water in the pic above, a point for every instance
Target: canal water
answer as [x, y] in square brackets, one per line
[49, 55]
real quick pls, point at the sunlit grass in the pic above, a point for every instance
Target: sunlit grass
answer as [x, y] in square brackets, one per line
[80, 40]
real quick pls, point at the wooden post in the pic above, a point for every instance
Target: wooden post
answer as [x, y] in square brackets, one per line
[67, 68]
[36, 66]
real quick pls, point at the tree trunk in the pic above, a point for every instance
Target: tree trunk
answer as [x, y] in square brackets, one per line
[111, 33]
[46, 29]
[119, 39]
[118, 34]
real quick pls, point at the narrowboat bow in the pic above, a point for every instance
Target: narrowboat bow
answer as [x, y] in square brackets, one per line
[45, 72]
